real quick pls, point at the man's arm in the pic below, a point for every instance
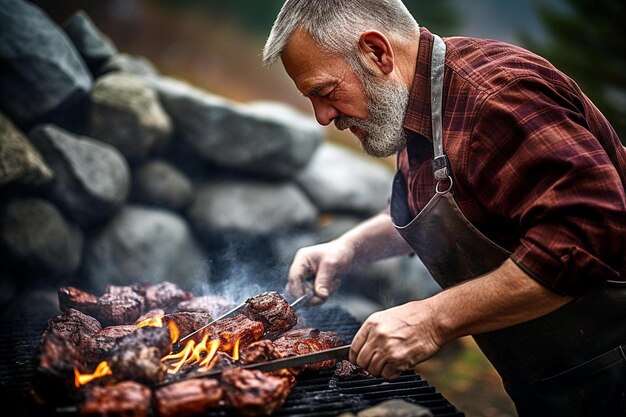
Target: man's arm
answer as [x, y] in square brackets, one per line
[397, 339]
[370, 241]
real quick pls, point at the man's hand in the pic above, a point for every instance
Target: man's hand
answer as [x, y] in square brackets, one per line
[399, 338]
[395, 340]
[325, 264]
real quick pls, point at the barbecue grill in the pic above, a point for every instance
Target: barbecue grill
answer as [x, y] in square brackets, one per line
[316, 394]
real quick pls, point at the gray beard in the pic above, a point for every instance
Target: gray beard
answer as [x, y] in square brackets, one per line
[387, 103]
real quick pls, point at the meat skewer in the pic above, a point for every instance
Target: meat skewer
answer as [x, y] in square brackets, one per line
[258, 307]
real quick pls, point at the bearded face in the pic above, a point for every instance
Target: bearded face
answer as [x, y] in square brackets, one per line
[381, 134]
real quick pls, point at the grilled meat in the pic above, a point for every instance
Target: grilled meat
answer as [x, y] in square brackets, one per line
[100, 344]
[346, 369]
[164, 295]
[221, 361]
[263, 351]
[126, 399]
[54, 372]
[75, 326]
[302, 341]
[83, 301]
[214, 305]
[253, 393]
[187, 322]
[138, 355]
[233, 328]
[271, 309]
[188, 398]
[118, 305]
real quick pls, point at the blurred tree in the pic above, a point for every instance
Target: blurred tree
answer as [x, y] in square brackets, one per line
[585, 42]
[439, 16]
[258, 15]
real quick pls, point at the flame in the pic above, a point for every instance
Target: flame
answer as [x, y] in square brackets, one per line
[174, 331]
[101, 370]
[154, 321]
[201, 354]
[236, 350]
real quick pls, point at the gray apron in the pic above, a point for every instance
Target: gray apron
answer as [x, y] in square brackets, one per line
[568, 363]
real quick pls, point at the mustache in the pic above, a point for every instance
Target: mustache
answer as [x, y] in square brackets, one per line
[345, 122]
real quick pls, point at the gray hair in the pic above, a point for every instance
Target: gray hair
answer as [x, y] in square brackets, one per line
[336, 25]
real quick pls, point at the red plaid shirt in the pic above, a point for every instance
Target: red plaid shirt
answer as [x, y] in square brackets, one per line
[536, 166]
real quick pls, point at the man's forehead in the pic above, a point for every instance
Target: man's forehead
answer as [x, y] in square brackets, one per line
[301, 44]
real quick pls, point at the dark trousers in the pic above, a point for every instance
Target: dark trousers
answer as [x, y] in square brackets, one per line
[596, 388]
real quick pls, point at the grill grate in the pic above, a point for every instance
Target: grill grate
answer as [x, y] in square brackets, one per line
[316, 395]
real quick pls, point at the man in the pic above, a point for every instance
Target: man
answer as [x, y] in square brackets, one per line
[510, 188]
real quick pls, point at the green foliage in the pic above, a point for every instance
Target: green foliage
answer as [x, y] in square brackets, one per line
[438, 16]
[587, 43]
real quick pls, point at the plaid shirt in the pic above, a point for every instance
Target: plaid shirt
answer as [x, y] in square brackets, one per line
[536, 166]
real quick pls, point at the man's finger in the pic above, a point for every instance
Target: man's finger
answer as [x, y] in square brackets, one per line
[357, 343]
[298, 273]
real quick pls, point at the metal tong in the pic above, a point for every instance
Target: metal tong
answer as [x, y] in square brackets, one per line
[303, 299]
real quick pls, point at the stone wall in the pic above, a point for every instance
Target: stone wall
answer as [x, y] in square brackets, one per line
[111, 173]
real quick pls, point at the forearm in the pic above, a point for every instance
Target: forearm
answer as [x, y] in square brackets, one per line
[502, 298]
[375, 239]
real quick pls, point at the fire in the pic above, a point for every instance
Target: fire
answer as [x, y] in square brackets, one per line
[236, 350]
[102, 369]
[201, 354]
[154, 321]
[174, 331]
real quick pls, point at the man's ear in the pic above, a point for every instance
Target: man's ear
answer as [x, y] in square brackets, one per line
[376, 51]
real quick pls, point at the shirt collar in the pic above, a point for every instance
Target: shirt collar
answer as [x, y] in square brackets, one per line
[417, 118]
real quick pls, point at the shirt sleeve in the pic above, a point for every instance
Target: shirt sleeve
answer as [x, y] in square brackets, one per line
[533, 161]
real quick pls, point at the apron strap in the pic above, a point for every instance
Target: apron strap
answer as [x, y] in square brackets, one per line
[440, 161]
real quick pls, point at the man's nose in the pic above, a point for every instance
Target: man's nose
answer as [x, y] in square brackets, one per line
[324, 113]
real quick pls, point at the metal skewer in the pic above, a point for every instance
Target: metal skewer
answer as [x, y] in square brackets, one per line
[229, 313]
[302, 299]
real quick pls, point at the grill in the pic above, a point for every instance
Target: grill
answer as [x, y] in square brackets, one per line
[318, 394]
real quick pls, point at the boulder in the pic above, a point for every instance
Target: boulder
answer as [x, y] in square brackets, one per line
[37, 239]
[158, 183]
[94, 47]
[393, 408]
[20, 162]
[268, 139]
[144, 244]
[337, 179]
[131, 64]
[126, 113]
[91, 178]
[41, 70]
[249, 208]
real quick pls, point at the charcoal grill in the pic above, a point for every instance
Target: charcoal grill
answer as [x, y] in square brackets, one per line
[318, 394]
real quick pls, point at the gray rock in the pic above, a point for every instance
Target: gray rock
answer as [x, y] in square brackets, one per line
[20, 162]
[38, 239]
[93, 45]
[91, 178]
[131, 64]
[144, 245]
[41, 70]
[262, 138]
[249, 208]
[126, 113]
[158, 183]
[340, 180]
[285, 245]
[396, 408]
